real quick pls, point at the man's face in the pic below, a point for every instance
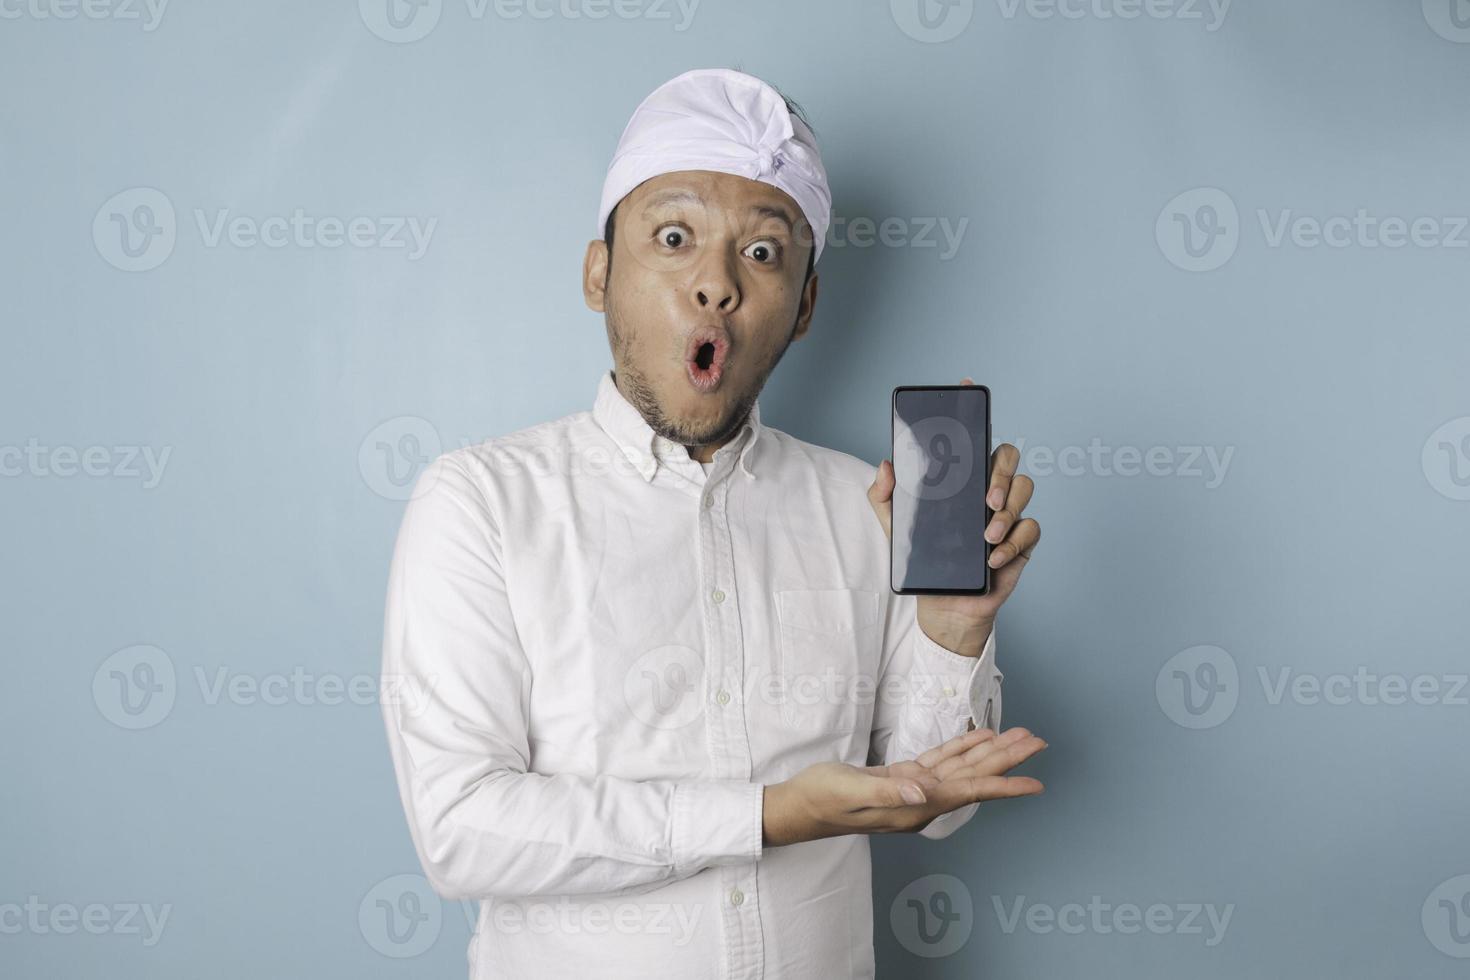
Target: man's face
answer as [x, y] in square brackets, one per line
[707, 288]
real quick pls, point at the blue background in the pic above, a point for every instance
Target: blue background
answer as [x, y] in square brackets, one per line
[1334, 541]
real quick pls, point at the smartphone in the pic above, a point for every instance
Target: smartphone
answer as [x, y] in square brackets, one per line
[941, 467]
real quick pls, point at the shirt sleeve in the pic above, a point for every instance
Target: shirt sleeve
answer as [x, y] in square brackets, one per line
[927, 695]
[483, 825]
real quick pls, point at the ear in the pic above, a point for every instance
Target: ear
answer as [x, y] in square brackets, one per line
[594, 276]
[807, 308]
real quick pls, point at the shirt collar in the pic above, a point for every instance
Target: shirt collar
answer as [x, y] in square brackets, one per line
[641, 445]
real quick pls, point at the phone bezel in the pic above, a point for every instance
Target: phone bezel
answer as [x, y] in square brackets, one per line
[989, 451]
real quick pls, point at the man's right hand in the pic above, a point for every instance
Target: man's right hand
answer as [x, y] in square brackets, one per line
[831, 799]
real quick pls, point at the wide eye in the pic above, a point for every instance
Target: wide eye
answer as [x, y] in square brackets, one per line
[764, 251]
[671, 236]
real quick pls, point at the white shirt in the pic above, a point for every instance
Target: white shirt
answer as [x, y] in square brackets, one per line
[621, 650]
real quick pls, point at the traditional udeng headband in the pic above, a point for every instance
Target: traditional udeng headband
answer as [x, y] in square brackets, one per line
[725, 121]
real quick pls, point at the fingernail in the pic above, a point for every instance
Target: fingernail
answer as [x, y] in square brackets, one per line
[911, 793]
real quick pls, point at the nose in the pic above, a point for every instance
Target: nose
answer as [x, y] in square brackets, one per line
[715, 288]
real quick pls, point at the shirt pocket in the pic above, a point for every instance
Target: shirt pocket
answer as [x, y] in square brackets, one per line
[824, 636]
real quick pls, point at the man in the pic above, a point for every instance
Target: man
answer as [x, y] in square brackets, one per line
[671, 689]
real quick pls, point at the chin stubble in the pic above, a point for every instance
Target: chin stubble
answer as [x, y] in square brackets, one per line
[639, 392]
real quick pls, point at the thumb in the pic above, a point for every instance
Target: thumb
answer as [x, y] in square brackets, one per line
[894, 791]
[908, 784]
[880, 495]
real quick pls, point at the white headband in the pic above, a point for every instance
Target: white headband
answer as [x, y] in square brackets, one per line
[725, 121]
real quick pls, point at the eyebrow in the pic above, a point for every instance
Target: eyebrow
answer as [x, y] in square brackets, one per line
[779, 214]
[670, 197]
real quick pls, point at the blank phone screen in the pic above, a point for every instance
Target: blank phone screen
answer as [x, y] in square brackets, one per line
[941, 454]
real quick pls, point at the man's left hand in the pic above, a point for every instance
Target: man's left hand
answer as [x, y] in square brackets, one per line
[962, 623]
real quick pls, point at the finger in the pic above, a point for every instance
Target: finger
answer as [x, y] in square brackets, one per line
[1003, 463]
[1016, 501]
[984, 755]
[979, 751]
[954, 747]
[880, 495]
[1003, 760]
[978, 789]
[1019, 544]
[973, 755]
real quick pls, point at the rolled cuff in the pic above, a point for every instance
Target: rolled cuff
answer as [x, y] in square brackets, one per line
[958, 688]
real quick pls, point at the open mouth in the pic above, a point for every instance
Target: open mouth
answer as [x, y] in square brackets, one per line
[705, 357]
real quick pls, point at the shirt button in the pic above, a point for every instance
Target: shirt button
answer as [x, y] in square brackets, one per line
[709, 501]
[948, 691]
[717, 595]
[737, 897]
[723, 697]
